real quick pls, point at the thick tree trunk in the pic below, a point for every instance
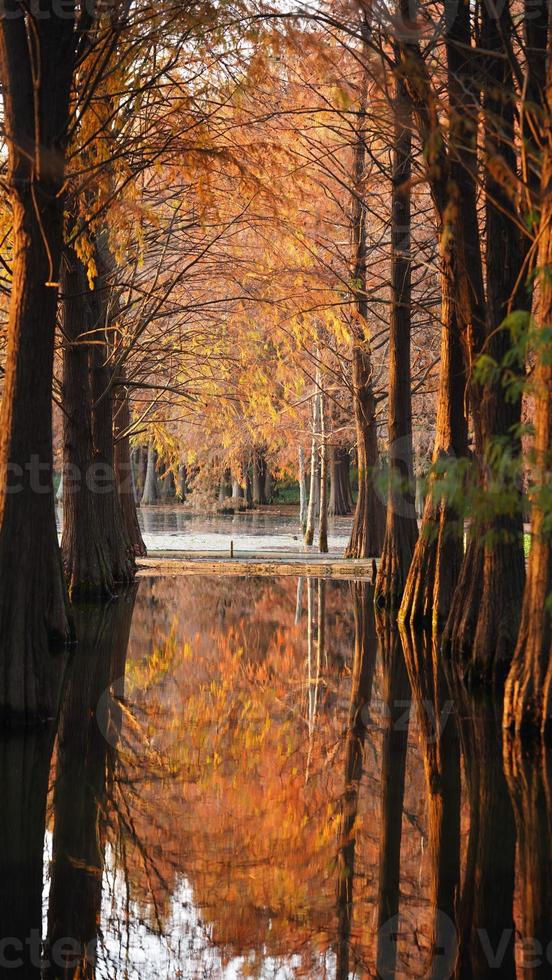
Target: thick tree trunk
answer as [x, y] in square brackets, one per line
[528, 695]
[401, 526]
[85, 740]
[364, 662]
[33, 603]
[121, 555]
[484, 620]
[437, 557]
[150, 494]
[393, 769]
[340, 487]
[85, 550]
[124, 473]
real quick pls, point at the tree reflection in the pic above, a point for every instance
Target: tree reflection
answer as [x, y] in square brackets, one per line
[394, 750]
[441, 750]
[24, 764]
[364, 662]
[528, 769]
[85, 741]
[485, 916]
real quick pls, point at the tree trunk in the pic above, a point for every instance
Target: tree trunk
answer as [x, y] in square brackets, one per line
[364, 662]
[438, 553]
[340, 487]
[528, 695]
[124, 474]
[323, 519]
[268, 486]
[33, 604]
[401, 527]
[311, 508]
[85, 550]
[369, 520]
[259, 476]
[121, 555]
[182, 488]
[484, 620]
[85, 740]
[150, 495]
[303, 505]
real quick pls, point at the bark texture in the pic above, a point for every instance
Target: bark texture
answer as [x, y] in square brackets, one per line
[401, 525]
[124, 471]
[85, 551]
[33, 604]
[528, 694]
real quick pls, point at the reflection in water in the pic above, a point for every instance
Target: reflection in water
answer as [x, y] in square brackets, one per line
[485, 918]
[529, 777]
[85, 748]
[440, 743]
[262, 802]
[393, 766]
[24, 766]
[364, 662]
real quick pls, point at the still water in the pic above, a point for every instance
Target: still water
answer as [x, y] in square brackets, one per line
[250, 777]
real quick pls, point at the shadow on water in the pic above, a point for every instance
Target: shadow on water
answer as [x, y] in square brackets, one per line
[255, 777]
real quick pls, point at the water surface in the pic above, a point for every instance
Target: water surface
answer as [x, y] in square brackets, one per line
[250, 777]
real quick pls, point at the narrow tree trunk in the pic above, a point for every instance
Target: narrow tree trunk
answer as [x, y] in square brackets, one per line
[85, 550]
[401, 527]
[323, 519]
[33, 604]
[182, 489]
[259, 476]
[268, 485]
[303, 505]
[369, 520]
[311, 508]
[150, 495]
[124, 473]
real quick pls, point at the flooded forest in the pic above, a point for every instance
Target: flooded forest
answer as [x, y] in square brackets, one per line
[276, 489]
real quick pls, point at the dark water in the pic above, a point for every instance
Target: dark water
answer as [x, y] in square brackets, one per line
[246, 780]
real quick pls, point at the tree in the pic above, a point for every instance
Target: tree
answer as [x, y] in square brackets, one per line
[528, 694]
[401, 527]
[37, 56]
